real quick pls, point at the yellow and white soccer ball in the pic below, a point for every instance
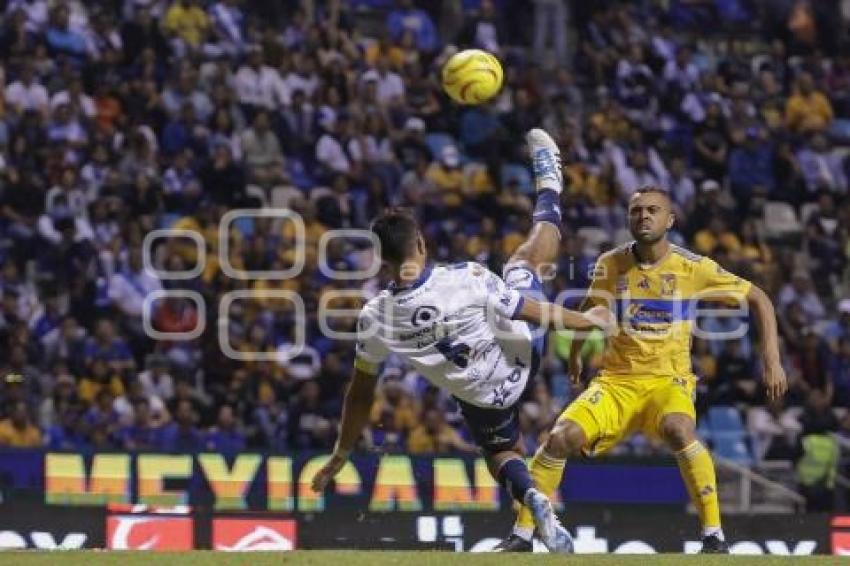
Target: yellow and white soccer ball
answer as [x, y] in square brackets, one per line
[472, 76]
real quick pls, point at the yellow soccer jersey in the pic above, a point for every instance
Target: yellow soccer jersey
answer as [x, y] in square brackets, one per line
[655, 306]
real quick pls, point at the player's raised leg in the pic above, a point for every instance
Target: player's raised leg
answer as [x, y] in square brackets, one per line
[541, 247]
[537, 255]
[697, 469]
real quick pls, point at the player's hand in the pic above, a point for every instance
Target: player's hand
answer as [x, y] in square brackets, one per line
[775, 382]
[603, 318]
[324, 476]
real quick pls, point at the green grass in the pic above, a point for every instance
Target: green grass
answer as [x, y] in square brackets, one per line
[361, 558]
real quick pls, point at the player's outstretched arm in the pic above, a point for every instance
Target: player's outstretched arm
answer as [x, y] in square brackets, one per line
[775, 382]
[557, 317]
[355, 414]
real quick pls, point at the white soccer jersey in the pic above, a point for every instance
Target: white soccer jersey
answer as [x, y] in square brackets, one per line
[454, 325]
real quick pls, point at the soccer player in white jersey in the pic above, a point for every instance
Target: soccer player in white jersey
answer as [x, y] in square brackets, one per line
[470, 332]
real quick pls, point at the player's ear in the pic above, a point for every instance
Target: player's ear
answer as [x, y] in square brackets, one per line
[671, 220]
[420, 244]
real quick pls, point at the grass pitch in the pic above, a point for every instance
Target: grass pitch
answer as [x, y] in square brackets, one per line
[383, 558]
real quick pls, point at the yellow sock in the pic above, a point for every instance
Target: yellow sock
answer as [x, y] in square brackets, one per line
[546, 471]
[697, 470]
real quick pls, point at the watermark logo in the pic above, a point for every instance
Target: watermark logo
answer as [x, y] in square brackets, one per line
[348, 258]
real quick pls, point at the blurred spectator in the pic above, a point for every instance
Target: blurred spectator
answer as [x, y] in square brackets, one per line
[801, 290]
[224, 180]
[188, 23]
[119, 119]
[550, 23]
[486, 28]
[262, 152]
[257, 85]
[141, 434]
[818, 463]
[434, 436]
[101, 377]
[310, 423]
[18, 430]
[807, 109]
[27, 93]
[182, 435]
[739, 372]
[751, 168]
[774, 430]
[228, 26]
[67, 434]
[129, 287]
[155, 379]
[821, 167]
[63, 398]
[406, 18]
[225, 436]
[107, 346]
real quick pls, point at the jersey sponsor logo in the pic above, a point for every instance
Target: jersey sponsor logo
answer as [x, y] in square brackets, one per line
[841, 535]
[132, 532]
[243, 535]
[426, 314]
[43, 540]
[650, 317]
[642, 314]
[643, 283]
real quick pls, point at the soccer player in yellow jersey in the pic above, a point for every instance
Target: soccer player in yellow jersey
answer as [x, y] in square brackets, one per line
[646, 383]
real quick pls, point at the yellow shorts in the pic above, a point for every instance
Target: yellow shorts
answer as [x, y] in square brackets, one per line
[613, 408]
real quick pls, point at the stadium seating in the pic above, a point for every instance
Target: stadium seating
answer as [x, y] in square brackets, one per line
[725, 419]
[780, 220]
[514, 172]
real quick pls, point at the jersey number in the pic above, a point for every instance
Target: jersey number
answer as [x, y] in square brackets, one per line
[455, 353]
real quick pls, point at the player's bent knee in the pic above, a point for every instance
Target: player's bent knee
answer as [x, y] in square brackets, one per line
[678, 431]
[566, 439]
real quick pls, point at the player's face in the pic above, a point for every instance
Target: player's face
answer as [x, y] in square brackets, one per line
[650, 217]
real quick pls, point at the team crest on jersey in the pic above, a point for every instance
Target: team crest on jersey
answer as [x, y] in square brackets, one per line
[668, 284]
[643, 283]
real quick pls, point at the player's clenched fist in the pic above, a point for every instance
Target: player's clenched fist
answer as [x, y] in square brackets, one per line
[324, 476]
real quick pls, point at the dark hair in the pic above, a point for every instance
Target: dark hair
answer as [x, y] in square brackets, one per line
[653, 189]
[396, 229]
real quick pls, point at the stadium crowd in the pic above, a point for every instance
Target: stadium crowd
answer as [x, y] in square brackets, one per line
[120, 118]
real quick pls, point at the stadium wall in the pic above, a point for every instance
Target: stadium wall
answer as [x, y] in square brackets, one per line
[53, 500]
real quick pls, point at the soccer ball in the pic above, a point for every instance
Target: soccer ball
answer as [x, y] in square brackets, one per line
[472, 76]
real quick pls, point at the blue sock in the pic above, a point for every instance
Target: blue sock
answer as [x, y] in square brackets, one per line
[548, 207]
[514, 477]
